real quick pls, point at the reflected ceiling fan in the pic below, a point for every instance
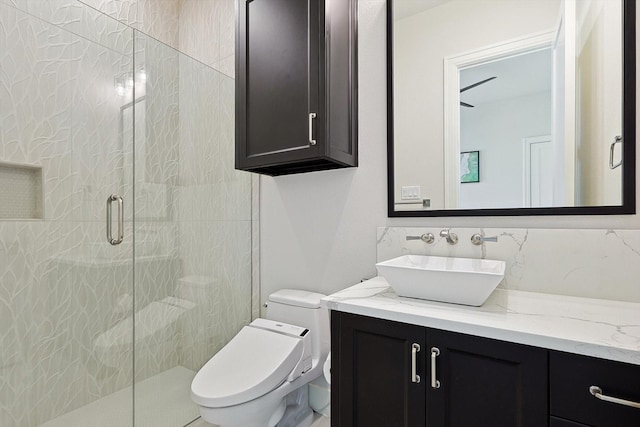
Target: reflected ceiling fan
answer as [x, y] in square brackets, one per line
[464, 104]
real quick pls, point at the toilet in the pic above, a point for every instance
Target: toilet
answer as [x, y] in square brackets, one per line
[260, 378]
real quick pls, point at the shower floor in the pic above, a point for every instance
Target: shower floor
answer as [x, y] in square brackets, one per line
[163, 400]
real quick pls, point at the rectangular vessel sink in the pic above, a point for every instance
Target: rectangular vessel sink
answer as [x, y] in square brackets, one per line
[457, 280]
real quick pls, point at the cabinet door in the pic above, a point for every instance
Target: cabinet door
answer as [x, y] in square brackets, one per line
[371, 373]
[277, 81]
[485, 383]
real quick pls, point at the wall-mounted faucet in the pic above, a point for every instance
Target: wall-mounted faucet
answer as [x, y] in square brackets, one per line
[428, 238]
[478, 239]
[452, 238]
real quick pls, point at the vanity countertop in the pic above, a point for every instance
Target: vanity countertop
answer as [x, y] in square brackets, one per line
[592, 327]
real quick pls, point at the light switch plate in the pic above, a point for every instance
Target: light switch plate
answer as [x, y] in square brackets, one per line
[411, 192]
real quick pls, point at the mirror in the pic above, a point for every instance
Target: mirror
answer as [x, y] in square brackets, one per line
[503, 107]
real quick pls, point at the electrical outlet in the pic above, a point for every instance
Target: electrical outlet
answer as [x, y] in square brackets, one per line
[411, 192]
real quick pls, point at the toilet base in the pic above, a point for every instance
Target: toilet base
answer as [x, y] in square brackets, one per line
[298, 413]
[262, 412]
[292, 410]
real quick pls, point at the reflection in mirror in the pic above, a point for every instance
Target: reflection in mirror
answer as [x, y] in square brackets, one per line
[500, 105]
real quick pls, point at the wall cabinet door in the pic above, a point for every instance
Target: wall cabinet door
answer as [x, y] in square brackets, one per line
[485, 383]
[372, 383]
[295, 85]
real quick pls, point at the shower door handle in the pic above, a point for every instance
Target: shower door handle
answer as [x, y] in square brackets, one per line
[113, 198]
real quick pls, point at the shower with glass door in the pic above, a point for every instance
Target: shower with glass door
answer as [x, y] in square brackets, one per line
[125, 232]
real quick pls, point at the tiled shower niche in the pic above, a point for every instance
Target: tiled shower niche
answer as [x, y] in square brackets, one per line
[20, 191]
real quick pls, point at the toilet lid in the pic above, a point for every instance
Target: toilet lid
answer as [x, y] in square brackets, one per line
[252, 364]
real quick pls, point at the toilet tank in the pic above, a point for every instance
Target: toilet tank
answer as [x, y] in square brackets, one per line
[302, 308]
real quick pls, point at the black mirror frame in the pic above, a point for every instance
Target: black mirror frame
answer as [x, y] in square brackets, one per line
[628, 128]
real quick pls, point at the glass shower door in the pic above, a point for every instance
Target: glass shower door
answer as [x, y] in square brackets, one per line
[192, 227]
[66, 293]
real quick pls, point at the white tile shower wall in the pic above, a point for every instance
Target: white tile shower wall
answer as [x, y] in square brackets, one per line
[202, 29]
[590, 263]
[214, 211]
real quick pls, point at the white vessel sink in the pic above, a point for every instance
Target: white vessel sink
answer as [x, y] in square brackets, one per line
[457, 280]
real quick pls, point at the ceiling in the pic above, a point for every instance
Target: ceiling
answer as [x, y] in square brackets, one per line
[520, 75]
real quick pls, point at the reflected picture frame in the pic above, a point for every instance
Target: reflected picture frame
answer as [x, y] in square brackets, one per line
[469, 167]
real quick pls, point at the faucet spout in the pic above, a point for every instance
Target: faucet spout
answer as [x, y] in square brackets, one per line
[452, 238]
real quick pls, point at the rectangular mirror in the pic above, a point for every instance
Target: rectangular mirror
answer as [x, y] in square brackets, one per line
[503, 107]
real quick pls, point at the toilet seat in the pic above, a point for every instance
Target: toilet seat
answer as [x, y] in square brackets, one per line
[252, 364]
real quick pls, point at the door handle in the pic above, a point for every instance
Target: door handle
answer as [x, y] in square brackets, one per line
[113, 198]
[612, 151]
[435, 352]
[311, 117]
[415, 348]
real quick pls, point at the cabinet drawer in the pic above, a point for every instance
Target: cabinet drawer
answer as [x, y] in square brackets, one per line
[570, 378]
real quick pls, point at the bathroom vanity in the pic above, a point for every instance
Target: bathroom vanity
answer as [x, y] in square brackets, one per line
[522, 359]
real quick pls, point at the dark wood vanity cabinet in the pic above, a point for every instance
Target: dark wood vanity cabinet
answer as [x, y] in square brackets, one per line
[476, 382]
[296, 85]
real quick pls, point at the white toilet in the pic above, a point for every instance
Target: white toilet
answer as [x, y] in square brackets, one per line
[260, 378]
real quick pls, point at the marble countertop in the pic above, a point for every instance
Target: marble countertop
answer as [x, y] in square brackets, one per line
[592, 327]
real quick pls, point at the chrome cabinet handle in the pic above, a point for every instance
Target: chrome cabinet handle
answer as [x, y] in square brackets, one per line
[113, 198]
[612, 151]
[597, 392]
[435, 352]
[311, 117]
[415, 348]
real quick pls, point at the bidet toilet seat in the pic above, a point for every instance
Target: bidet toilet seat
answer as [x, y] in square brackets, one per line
[255, 362]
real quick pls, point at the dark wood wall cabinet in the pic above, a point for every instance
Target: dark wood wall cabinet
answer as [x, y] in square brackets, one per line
[390, 374]
[296, 85]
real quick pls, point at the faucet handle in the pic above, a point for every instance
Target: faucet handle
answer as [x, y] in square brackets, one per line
[478, 239]
[428, 238]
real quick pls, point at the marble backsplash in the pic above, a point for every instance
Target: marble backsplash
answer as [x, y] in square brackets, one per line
[593, 263]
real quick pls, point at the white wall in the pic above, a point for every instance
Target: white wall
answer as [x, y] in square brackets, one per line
[318, 230]
[497, 129]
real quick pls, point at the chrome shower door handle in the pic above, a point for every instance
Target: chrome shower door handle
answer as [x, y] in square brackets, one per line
[115, 198]
[311, 117]
[612, 151]
[415, 348]
[435, 352]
